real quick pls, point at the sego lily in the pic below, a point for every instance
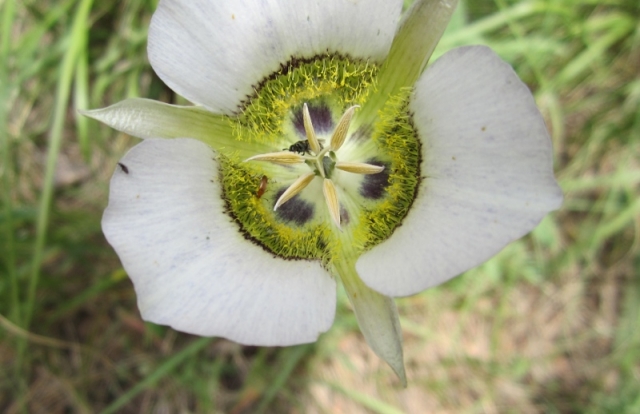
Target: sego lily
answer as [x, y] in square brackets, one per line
[319, 149]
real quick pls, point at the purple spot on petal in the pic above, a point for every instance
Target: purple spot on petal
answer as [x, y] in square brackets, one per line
[295, 210]
[320, 118]
[374, 185]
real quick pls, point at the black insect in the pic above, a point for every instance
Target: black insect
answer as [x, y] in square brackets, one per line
[263, 186]
[300, 147]
[124, 168]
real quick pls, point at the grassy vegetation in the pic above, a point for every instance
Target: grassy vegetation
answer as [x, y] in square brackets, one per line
[549, 325]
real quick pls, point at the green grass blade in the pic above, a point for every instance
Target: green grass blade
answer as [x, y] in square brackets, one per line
[8, 15]
[81, 98]
[367, 401]
[55, 142]
[594, 52]
[163, 370]
[286, 369]
[473, 32]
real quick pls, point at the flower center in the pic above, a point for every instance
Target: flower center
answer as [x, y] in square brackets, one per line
[329, 176]
[322, 161]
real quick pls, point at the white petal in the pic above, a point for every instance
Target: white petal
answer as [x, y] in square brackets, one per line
[215, 52]
[190, 264]
[487, 174]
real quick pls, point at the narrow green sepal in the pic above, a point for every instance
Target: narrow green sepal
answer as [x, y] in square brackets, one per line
[145, 118]
[419, 32]
[377, 317]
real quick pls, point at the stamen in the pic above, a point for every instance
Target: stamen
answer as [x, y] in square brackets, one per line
[294, 189]
[331, 197]
[282, 157]
[359, 167]
[340, 133]
[308, 128]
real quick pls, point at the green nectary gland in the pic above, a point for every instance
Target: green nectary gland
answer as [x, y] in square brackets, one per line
[397, 138]
[342, 81]
[241, 191]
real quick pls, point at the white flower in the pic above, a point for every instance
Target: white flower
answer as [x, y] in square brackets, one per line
[239, 226]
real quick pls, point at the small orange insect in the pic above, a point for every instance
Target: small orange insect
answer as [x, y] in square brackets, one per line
[263, 186]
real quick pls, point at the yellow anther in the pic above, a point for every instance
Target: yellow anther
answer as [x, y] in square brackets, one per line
[359, 167]
[308, 128]
[282, 157]
[294, 189]
[331, 197]
[340, 133]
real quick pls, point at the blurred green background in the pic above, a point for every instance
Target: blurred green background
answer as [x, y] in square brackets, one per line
[549, 325]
